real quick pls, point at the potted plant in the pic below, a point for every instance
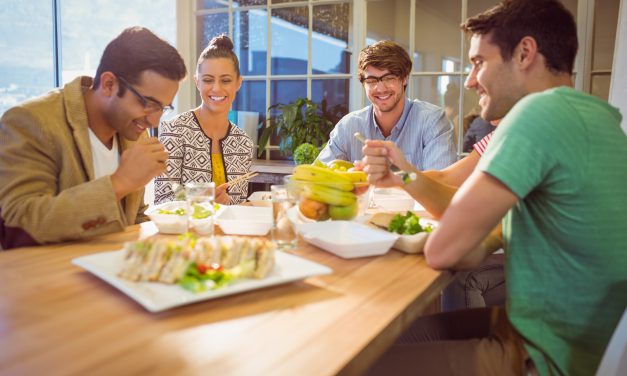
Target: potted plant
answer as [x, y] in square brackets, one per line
[302, 121]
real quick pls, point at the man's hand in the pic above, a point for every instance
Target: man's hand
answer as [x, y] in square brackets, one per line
[376, 163]
[222, 196]
[138, 164]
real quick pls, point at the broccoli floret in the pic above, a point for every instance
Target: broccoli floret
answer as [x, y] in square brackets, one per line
[305, 154]
[408, 224]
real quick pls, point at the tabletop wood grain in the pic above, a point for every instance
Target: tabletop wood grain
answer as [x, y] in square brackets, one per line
[56, 318]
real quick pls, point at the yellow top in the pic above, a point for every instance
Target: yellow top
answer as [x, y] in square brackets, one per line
[217, 169]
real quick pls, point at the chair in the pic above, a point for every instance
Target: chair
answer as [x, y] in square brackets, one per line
[614, 361]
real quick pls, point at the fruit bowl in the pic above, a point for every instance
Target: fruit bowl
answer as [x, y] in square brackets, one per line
[323, 194]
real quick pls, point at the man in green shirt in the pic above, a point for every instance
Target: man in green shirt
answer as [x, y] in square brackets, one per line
[555, 173]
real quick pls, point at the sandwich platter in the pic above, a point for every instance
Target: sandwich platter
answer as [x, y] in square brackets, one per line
[156, 297]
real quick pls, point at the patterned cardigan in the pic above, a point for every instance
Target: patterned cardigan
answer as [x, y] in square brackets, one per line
[190, 157]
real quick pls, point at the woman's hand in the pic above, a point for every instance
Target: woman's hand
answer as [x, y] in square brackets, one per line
[222, 196]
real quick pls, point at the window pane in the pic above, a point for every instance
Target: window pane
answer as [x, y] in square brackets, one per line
[82, 50]
[287, 91]
[601, 85]
[289, 40]
[445, 17]
[212, 4]
[252, 97]
[444, 92]
[212, 25]
[330, 38]
[388, 19]
[335, 93]
[250, 34]
[605, 21]
[26, 66]
[247, 3]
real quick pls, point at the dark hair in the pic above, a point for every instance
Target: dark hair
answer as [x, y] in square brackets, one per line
[547, 21]
[136, 50]
[220, 46]
[384, 54]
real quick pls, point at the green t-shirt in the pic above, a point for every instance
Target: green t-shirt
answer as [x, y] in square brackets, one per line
[564, 154]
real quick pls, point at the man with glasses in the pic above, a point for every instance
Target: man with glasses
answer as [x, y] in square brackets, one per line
[420, 129]
[75, 161]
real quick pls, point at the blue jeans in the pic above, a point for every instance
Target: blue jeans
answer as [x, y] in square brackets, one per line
[482, 287]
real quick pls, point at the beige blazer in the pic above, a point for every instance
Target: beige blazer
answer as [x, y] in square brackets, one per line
[47, 180]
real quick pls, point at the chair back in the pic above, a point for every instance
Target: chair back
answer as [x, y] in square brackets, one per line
[614, 361]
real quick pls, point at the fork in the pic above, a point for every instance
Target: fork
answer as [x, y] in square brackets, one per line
[405, 176]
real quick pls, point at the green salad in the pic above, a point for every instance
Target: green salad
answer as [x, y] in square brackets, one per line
[199, 211]
[408, 224]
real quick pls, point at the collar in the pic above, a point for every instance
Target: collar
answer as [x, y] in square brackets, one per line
[400, 124]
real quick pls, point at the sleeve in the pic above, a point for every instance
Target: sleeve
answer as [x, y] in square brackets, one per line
[520, 152]
[172, 141]
[34, 197]
[438, 144]
[338, 145]
[482, 144]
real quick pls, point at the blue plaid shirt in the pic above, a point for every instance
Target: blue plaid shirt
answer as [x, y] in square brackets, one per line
[423, 132]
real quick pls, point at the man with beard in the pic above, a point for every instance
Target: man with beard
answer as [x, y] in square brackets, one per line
[554, 174]
[420, 129]
[75, 161]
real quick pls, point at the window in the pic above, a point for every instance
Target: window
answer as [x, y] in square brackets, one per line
[286, 49]
[291, 48]
[42, 59]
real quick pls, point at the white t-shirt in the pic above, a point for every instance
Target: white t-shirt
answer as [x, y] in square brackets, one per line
[105, 161]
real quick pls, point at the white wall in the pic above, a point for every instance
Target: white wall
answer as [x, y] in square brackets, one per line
[618, 87]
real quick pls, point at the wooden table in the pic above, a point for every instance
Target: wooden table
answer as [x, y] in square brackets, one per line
[56, 318]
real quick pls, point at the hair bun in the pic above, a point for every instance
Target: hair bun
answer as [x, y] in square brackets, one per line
[221, 41]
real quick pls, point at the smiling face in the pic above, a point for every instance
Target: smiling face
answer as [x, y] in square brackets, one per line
[385, 97]
[497, 82]
[217, 82]
[127, 115]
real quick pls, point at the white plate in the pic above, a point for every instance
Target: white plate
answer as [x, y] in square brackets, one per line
[245, 220]
[156, 297]
[348, 239]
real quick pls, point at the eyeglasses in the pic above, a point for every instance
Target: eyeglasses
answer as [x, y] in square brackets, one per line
[388, 79]
[151, 105]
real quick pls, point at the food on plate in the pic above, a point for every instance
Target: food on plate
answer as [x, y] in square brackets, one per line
[326, 192]
[408, 224]
[197, 264]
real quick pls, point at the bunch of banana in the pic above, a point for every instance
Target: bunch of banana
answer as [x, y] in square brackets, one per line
[323, 175]
[329, 195]
[328, 192]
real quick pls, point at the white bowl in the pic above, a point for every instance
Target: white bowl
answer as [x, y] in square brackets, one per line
[348, 239]
[393, 199]
[245, 220]
[177, 224]
[168, 223]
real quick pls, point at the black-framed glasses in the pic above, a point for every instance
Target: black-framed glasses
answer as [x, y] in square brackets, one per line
[150, 104]
[388, 79]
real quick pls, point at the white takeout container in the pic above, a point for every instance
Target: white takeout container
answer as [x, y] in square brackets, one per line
[168, 223]
[260, 198]
[348, 239]
[393, 199]
[245, 220]
[406, 243]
